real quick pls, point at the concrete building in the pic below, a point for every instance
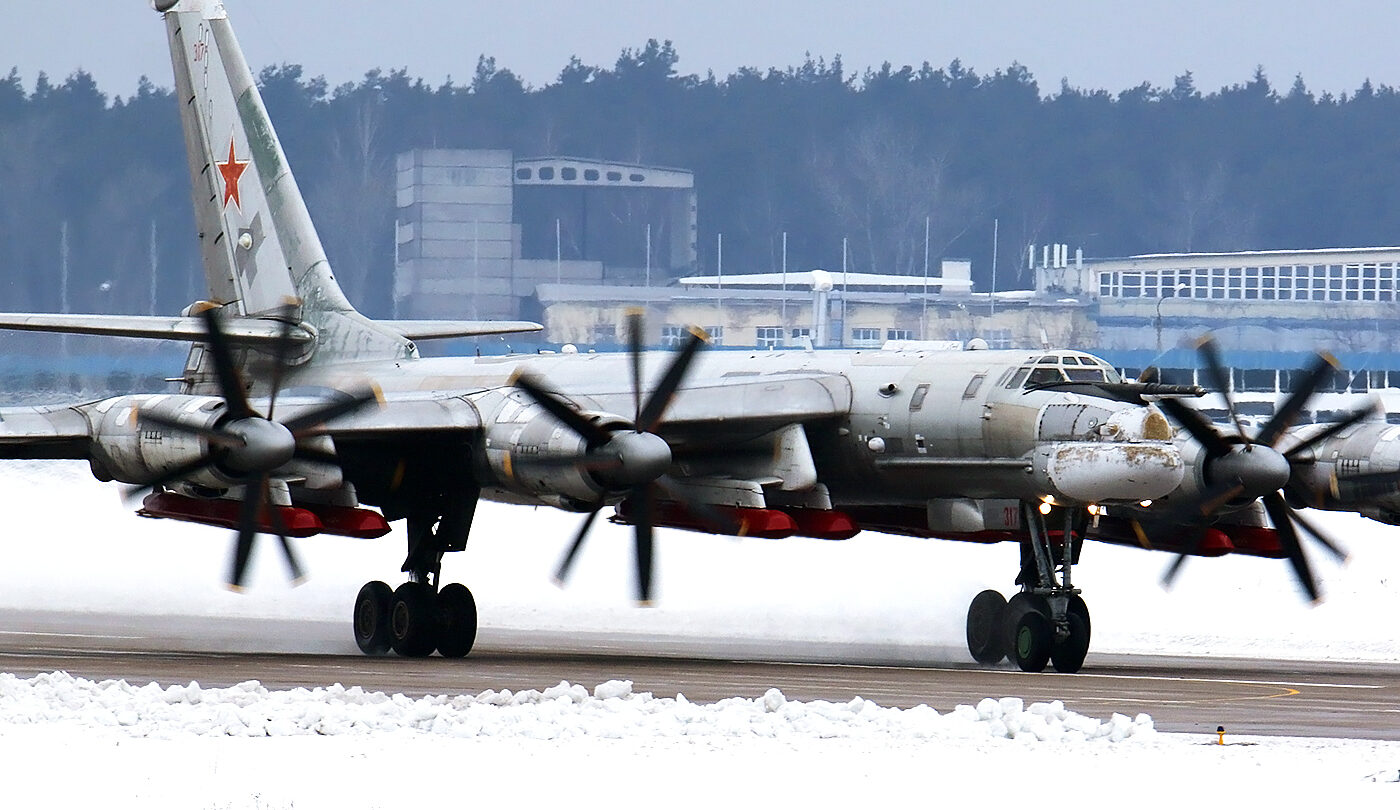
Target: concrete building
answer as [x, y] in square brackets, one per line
[478, 230]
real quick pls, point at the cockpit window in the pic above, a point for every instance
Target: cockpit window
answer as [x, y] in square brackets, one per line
[1020, 377]
[1047, 360]
[1070, 361]
[1044, 376]
[1094, 374]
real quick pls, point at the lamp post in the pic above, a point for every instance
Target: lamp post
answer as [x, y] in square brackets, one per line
[1176, 291]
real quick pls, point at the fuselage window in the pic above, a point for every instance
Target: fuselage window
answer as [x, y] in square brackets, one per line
[917, 400]
[972, 386]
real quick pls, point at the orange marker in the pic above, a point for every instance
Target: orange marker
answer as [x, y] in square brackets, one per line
[1220, 730]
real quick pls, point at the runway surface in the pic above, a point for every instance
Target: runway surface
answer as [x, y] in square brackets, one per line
[1195, 695]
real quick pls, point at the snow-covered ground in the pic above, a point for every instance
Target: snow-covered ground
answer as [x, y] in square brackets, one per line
[70, 544]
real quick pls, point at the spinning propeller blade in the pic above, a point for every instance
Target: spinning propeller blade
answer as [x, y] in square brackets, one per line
[1245, 456]
[641, 489]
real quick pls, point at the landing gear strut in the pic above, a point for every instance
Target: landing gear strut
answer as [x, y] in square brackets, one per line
[418, 616]
[1047, 622]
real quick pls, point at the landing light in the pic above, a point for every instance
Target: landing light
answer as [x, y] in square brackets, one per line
[1045, 508]
[1145, 504]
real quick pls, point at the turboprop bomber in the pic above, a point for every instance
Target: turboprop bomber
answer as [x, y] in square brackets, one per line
[296, 415]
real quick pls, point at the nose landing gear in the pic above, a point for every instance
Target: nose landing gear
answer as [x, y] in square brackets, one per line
[1047, 622]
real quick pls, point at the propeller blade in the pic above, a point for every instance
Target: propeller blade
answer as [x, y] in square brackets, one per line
[1358, 415]
[1288, 412]
[1280, 515]
[644, 502]
[230, 381]
[1191, 519]
[212, 435]
[331, 410]
[1327, 543]
[660, 399]
[282, 352]
[1220, 378]
[560, 409]
[1189, 548]
[1197, 425]
[247, 532]
[634, 349]
[178, 474]
[566, 563]
[275, 517]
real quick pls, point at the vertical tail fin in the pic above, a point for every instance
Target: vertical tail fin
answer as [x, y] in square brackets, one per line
[257, 241]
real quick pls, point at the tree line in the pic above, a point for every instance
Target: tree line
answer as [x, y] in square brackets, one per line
[897, 163]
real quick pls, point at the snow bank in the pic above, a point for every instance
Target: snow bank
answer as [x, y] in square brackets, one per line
[566, 711]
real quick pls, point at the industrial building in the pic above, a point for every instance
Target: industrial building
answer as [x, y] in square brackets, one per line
[477, 230]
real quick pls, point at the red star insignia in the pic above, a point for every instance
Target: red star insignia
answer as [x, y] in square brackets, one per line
[232, 170]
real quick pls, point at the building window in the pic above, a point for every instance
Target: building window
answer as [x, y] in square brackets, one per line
[899, 334]
[672, 335]
[998, 338]
[865, 336]
[769, 337]
[716, 335]
[799, 333]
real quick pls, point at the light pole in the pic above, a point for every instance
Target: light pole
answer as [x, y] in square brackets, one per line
[1176, 291]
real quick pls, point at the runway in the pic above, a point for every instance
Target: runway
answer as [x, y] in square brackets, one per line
[1193, 695]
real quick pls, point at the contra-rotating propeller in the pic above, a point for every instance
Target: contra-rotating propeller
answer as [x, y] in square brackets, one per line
[250, 447]
[1239, 468]
[633, 460]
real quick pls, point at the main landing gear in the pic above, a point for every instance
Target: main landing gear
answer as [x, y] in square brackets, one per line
[418, 616]
[1047, 622]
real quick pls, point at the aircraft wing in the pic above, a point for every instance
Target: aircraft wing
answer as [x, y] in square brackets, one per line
[244, 331]
[431, 330]
[46, 432]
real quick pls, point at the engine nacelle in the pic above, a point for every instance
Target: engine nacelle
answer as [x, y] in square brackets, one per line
[125, 450]
[528, 452]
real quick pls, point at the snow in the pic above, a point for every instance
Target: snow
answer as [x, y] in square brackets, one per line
[873, 598]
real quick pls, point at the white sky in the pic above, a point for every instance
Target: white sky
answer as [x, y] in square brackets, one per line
[1093, 43]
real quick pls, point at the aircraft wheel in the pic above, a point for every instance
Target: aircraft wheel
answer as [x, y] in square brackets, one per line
[412, 620]
[456, 621]
[1068, 655]
[984, 629]
[1029, 633]
[1077, 606]
[371, 619]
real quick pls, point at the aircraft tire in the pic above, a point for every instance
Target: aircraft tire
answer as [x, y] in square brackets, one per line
[1077, 606]
[1029, 633]
[456, 621]
[1068, 655]
[413, 620]
[371, 619]
[984, 627]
